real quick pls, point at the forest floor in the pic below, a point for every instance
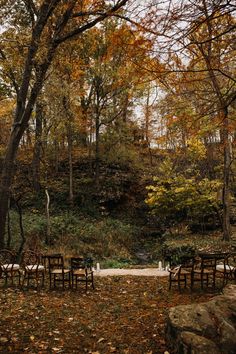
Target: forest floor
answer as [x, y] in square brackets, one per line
[124, 314]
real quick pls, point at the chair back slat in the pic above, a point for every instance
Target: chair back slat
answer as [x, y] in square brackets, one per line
[77, 263]
[55, 262]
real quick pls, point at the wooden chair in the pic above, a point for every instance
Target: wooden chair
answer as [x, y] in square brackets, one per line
[178, 274]
[204, 269]
[32, 267]
[45, 261]
[82, 271]
[227, 268]
[57, 271]
[9, 269]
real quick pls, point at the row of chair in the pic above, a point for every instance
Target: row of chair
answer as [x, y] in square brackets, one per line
[203, 268]
[34, 266]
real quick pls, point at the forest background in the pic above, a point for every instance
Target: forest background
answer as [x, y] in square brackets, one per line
[117, 126]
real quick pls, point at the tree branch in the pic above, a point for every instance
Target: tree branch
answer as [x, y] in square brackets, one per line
[92, 23]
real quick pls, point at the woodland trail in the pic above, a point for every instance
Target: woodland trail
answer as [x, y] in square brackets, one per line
[147, 272]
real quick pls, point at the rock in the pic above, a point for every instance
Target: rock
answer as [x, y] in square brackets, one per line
[197, 344]
[204, 328]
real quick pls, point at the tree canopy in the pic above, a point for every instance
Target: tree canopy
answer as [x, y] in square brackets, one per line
[125, 82]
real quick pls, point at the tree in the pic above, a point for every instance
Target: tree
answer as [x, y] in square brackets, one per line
[199, 41]
[214, 46]
[48, 25]
[179, 195]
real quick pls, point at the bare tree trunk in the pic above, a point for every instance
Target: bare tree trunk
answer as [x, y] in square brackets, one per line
[97, 139]
[147, 126]
[125, 108]
[69, 138]
[226, 181]
[66, 104]
[55, 153]
[37, 148]
[9, 227]
[22, 233]
[6, 180]
[48, 231]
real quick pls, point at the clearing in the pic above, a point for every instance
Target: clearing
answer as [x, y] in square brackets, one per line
[124, 314]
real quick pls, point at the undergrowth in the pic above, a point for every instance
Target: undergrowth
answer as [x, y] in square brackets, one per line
[103, 239]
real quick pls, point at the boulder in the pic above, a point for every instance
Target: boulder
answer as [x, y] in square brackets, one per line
[204, 328]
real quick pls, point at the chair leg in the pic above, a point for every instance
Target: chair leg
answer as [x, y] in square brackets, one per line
[202, 279]
[179, 287]
[192, 281]
[6, 279]
[37, 280]
[19, 276]
[214, 281]
[12, 282]
[23, 281]
[43, 279]
[170, 281]
[70, 280]
[92, 281]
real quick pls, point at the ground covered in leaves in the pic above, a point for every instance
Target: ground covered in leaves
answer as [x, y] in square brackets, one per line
[122, 315]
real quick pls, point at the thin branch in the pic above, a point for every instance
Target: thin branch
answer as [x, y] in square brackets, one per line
[91, 24]
[11, 74]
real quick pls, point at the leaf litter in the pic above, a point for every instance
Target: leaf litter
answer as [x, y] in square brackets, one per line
[125, 315]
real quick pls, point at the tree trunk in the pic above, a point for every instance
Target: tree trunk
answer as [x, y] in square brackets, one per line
[226, 181]
[69, 139]
[8, 168]
[69, 114]
[32, 81]
[97, 140]
[22, 233]
[97, 150]
[147, 126]
[37, 148]
[9, 238]
[223, 115]
[48, 231]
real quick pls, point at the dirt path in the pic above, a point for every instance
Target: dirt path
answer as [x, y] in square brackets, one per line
[152, 272]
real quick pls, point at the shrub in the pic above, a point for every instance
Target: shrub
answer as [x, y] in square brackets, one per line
[74, 233]
[175, 197]
[177, 253]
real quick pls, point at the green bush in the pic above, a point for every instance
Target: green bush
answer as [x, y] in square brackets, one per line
[177, 253]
